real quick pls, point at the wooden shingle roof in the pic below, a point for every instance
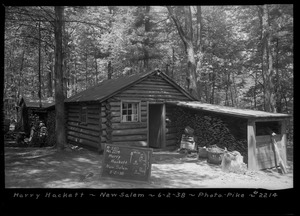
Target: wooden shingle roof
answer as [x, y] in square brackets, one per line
[108, 88]
[34, 103]
[231, 111]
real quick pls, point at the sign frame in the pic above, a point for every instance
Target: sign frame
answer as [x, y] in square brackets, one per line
[132, 148]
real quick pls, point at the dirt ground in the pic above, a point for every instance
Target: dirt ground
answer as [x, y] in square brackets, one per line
[49, 168]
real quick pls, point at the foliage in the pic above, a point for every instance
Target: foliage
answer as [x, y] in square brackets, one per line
[111, 41]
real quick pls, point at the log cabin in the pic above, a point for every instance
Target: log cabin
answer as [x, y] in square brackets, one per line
[126, 111]
[135, 111]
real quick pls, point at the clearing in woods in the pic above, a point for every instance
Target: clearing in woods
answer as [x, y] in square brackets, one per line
[80, 168]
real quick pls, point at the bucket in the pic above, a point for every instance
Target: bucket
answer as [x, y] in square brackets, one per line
[202, 152]
[215, 155]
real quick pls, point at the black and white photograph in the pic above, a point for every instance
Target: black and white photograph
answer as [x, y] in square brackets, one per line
[153, 101]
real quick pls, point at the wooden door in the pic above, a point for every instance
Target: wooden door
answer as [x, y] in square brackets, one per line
[156, 126]
[264, 151]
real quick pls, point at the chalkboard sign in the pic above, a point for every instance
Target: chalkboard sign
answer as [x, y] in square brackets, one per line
[126, 163]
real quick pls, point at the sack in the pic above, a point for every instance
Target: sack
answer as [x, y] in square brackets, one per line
[233, 162]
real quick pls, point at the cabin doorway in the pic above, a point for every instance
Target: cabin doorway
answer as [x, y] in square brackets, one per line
[156, 125]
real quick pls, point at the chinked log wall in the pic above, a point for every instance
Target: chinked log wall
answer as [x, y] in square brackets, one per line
[89, 133]
[152, 89]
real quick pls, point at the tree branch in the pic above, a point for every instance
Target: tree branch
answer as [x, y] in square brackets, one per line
[178, 25]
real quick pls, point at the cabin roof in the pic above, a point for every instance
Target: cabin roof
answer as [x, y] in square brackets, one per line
[237, 112]
[34, 103]
[108, 88]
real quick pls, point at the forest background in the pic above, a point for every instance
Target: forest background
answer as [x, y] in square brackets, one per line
[239, 56]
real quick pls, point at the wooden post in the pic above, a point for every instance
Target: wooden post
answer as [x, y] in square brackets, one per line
[252, 161]
[148, 139]
[283, 141]
[164, 126]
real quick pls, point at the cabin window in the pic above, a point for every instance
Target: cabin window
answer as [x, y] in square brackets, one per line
[83, 114]
[130, 112]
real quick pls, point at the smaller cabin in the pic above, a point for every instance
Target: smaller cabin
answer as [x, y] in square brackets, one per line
[30, 110]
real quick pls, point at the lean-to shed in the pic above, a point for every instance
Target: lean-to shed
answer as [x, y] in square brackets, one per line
[126, 111]
[260, 152]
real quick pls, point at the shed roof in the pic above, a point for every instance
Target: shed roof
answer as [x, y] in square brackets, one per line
[34, 103]
[108, 88]
[237, 112]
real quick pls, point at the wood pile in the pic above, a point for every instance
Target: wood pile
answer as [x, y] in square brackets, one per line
[208, 130]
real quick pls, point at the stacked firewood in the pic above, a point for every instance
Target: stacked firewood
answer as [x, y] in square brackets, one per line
[208, 130]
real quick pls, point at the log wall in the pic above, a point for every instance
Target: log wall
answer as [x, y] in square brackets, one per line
[152, 89]
[129, 133]
[88, 134]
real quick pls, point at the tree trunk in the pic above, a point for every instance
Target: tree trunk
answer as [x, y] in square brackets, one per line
[65, 59]
[235, 94]
[50, 88]
[86, 70]
[267, 62]
[96, 72]
[199, 50]
[262, 47]
[75, 85]
[254, 89]
[278, 96]
[213, 88]
[40, 81]
[187, 39]
[227, 88]
[146, 43]
[20, 91]
[173, 62]
[109, 70]
[59, 82]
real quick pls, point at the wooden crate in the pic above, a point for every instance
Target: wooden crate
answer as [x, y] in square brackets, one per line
[187, 142]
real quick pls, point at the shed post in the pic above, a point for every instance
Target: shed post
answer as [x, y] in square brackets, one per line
[252, 164]
[283, 141]
[163, 130]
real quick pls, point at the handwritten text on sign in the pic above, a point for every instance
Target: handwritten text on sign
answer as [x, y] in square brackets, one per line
[128, 163]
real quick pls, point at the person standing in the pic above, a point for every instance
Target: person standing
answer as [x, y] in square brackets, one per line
[42, 134]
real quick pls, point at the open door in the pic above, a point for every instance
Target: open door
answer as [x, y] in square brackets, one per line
[156, 125]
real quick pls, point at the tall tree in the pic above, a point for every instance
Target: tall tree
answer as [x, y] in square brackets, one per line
[59, 80]
[267, 60]
[187, 39]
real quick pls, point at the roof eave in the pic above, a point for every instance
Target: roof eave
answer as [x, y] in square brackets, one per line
[238, 115]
